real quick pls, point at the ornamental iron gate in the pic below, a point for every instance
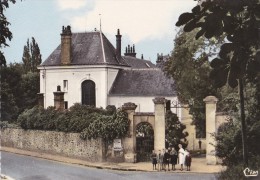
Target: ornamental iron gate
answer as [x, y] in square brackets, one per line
[144, 141]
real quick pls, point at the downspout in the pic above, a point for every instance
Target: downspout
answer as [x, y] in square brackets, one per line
[44, 71]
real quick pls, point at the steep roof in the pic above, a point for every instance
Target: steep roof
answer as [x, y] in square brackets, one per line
[142, 82]
[87, 50]
[138, 63]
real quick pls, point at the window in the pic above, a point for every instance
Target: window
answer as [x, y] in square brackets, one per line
[88, 90]
[65, 85]
[65, 104]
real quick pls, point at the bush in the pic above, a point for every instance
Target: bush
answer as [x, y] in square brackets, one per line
[91, 122]
[236, 171]
[232, 172]
[108, 127]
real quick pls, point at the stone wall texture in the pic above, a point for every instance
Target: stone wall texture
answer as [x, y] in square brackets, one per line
[66, 144]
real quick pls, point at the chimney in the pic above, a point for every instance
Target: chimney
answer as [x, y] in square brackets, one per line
[130, 51]
[118, 44]
[66, 45]
[159, 61]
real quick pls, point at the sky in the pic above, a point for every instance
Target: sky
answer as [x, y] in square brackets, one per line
[149, 24]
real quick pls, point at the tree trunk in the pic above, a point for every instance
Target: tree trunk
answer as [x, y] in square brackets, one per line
[243, 123]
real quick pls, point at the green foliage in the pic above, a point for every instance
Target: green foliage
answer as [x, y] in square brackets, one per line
[91, 122]
[189, 67]
[31, 56]
[236, 171]
[174, 131]
[239, 57]
[233, 172]
[10, 91]
[18, 91]
[229, 143]
[5, 33]
[30, 86]
[229, 147]
[108, 127]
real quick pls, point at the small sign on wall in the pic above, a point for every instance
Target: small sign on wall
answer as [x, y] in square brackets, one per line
[117, 145]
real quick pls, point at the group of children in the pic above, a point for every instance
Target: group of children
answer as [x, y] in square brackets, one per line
[170, 156]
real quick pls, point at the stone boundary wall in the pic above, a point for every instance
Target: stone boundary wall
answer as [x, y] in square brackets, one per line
[65, 144]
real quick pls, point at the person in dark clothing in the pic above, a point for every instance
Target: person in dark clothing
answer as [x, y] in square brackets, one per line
[188, 160]
[174, 157]
[166, 160]
[154, 159]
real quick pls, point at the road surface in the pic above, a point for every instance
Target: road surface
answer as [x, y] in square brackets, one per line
[22, 167]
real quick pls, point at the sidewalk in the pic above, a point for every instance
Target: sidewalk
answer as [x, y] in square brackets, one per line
[198, 164]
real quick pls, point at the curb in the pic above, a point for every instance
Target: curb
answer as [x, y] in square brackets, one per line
[41, 156]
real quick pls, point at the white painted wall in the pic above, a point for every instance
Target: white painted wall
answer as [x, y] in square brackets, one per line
[75, 75]
[144, 104]
[103, 76]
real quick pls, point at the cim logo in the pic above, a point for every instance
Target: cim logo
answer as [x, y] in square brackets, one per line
[248, 172]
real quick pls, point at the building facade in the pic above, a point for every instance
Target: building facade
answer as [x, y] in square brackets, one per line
[89, 70]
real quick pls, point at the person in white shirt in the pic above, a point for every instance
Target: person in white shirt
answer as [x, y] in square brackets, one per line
[181, 156]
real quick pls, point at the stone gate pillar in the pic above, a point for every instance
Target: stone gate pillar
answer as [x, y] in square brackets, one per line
[58, 99]
[211, 104]
[159, 123]
[130, 141]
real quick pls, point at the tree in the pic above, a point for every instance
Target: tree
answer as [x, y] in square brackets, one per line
[174, 130]
[239, 57]
[5, 33]
[30, 86]
[189, 67]
[228, 138]
[18, 90]
[10, 92]
[31, 56]
[26, 57]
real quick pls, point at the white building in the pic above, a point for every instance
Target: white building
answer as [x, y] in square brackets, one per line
[91, 71]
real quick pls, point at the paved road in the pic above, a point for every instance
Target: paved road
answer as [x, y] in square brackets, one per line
[29, 168]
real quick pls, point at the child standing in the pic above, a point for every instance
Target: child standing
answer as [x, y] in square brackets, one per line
[174, 158]
[166, 159]
[154, 159]
[188, 160]
[160, 160]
